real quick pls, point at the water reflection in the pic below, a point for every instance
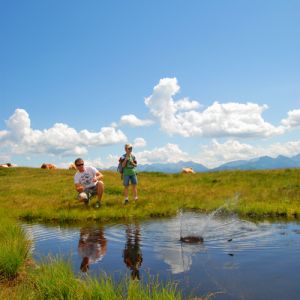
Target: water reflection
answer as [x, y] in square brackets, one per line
[92, 246]
[132, 253]
[236, 258]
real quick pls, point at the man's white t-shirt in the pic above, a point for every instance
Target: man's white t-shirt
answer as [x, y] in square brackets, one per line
[85, 178]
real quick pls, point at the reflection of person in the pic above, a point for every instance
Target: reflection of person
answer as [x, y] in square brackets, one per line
[129, 164]
[132, 253]
[91, 246]
[88, 182]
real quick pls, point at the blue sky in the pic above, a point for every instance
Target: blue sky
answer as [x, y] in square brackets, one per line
[209, 81]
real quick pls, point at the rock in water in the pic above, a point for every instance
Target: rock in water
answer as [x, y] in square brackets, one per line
[192, 239]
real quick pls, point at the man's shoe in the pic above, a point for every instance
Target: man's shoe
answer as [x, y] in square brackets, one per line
[126, 201]
[98, 204]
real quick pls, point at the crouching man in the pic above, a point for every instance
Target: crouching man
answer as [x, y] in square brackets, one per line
[88, 182]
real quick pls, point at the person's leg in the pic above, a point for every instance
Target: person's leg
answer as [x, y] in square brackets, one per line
[134, 191]
[134, 186]
[126, 192]
[126, 184]
[100, 190]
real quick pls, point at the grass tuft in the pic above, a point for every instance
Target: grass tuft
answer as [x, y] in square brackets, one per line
[14, 248]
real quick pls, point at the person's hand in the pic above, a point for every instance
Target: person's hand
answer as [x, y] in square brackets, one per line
[98, 177]
[80, 189]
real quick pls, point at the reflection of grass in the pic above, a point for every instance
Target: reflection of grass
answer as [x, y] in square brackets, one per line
[49, 195]
[55, 280]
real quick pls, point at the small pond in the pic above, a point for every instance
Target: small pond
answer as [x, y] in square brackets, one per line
[237, 260]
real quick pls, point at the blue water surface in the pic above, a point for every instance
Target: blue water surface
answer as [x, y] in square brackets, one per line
[237, 260]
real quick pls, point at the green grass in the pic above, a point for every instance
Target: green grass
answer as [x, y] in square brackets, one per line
[14, 248]
[49, 195]
[55, 280]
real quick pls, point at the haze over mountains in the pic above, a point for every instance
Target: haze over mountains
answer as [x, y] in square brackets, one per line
[260, 163]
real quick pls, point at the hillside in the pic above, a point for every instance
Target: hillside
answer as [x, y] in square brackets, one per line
[49, 195]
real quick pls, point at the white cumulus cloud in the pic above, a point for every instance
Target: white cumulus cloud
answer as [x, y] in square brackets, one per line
[218, 120]
[217, 153]
[170, 153]
[133, 121]
[60, 139]
[139, 142]
[293, 119]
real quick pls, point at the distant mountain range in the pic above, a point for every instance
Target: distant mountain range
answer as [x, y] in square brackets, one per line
[260, 163]
[172, 167]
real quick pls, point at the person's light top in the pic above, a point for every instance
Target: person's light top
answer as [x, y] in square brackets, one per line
[85, 178]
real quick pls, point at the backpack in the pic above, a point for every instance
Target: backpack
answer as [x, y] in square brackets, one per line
[120, 168]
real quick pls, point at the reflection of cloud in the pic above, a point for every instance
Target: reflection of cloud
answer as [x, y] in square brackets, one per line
[228, 234]
[178, 256]
[178, 260]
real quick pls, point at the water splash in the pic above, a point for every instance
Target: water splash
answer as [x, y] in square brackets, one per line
[191, 237]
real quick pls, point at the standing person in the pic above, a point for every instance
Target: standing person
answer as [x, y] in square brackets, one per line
[132, 254]
[129, 164]
[88, 182]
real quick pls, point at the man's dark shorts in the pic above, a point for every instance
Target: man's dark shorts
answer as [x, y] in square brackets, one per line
[91, 191]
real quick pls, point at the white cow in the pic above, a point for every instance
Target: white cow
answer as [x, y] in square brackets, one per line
[188, 171]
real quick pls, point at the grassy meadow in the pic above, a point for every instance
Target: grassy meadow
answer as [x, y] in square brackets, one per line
[49, 195]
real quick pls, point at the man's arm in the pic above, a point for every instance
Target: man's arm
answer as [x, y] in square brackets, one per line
[99, 176]
[79, 187]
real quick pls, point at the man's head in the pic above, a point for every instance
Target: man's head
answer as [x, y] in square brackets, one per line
[85, 264]
[79, 163]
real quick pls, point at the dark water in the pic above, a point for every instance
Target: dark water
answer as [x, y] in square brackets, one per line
[237, 260]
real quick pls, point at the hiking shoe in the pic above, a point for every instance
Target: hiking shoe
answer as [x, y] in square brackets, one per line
[126, 201]
[98, 204]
